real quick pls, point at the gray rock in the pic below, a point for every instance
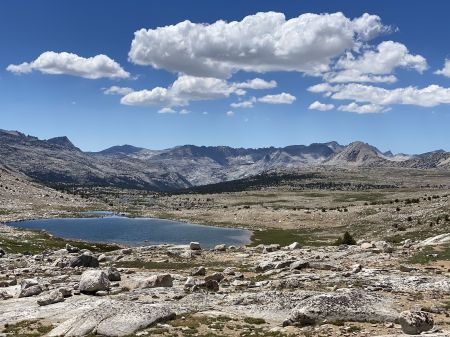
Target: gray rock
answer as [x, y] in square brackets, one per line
[127, 251]
[155, 281]
[65, 291]
[264, 266]
[297, 265]
[113, 274]
[84, 260]
[271, 248]
[30, 291]
[415, 322]
[27, 283]
[8, 283]
[200, 271]
[294, 245]
[342, 305]
[72, 249]
[4, 295]
[216, 276]
[54, 296]
[195, 246]
[114, 318]
[220, 248]
[93, 280]
[229, 271]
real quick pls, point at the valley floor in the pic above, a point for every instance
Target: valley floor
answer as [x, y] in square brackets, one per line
[51, 287]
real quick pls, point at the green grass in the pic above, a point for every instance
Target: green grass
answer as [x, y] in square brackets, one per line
[285, 237]
[168, 265]
[359, 196]
[425, 256]
[35, 242]
[26, 329]
[254, 321]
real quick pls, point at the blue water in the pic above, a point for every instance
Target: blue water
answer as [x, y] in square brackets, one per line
[137, 231]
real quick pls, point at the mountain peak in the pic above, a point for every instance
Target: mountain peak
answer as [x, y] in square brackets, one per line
[62, 141]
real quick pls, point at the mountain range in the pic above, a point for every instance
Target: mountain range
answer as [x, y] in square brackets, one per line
[57, 161]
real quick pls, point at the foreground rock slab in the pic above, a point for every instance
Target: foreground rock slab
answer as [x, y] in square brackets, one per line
[114, 319]
[342, 305]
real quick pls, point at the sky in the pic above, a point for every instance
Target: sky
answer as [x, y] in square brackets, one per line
[158, 74]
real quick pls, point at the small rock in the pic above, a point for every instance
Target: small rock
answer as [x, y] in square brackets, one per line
[264, 266]
[66, 292]
[31, 291]
[367, 245]
[155, 281]
[4, 295]
[53, 297]
[200, 271]
[415, 322]
[72, 249]
[195, 246]
[84, 260]
[101, 293]
[297, 265]
[113, 274]
[229, 271]
[216, 276]
[220, 248]
[294, 245]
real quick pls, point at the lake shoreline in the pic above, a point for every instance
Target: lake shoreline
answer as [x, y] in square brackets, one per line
[135, 231]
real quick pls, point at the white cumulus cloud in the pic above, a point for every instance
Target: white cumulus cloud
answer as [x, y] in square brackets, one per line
[320, 106]
[429, 96]
[363, 108]
[283, 98]
[244, 104]
[49, 62]
[444, 71]
[256, 84]
[263, 42]
[230, 113]
[166, 111]
[387, 56]
[375, 64]
[116, 90]
[182, 91]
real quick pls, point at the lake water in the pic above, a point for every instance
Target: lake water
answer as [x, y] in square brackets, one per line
[137, 231]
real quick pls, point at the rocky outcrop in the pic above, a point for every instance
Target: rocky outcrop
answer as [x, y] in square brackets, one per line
[114, 319]
[342, 305]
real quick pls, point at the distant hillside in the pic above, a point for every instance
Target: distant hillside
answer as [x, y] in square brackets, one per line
[58, 161]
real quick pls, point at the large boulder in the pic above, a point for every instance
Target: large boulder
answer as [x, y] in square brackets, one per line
[84, 260]
[93, 280]
[342, 305]
[114, 318]
[415, 322]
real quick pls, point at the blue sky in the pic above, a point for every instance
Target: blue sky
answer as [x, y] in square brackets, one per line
[382, 76]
